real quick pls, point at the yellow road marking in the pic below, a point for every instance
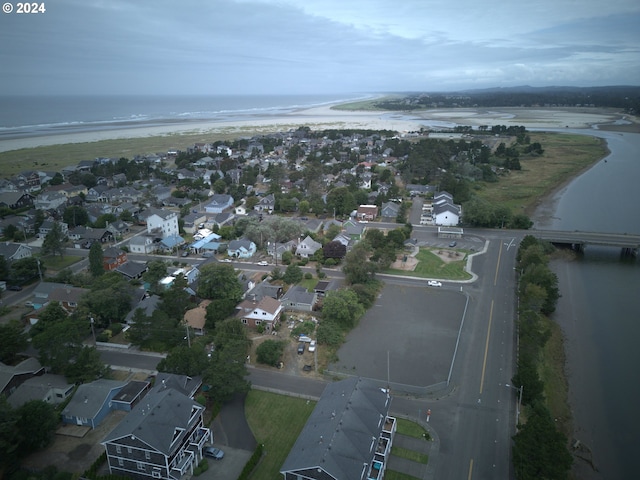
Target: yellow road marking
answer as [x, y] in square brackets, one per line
[495, 279]
[470, 469]
[486, 348]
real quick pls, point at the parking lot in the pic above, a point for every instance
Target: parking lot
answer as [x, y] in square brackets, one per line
[409, 336]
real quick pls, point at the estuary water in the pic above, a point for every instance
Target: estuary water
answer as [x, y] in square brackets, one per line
[599, 310]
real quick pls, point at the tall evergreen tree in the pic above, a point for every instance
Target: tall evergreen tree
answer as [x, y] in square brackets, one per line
[96, 267]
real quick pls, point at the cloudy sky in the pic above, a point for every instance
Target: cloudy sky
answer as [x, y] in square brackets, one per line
[316, 46]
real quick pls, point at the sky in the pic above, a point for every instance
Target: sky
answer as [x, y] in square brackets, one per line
[316, 46]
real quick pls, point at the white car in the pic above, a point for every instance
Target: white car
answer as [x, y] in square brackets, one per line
[434, 283]
[263, 264]
[312, 346]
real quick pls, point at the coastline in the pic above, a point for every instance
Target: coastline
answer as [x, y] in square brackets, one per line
[325, 117]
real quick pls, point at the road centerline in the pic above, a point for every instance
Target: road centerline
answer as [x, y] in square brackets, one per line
[486, 348]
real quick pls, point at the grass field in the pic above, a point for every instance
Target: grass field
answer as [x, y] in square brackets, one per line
[431, 266]
[276, 422]
[564, 157]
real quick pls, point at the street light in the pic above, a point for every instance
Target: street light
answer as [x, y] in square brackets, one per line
[521, 388]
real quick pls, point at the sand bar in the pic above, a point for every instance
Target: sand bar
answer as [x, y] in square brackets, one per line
[325, 117]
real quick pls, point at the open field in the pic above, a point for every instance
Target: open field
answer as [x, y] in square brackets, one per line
[565, 156]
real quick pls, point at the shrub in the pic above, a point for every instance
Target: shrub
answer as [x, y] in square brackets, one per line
[115, 328]
[308, 276]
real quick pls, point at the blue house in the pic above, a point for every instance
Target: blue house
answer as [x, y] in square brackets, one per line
[218, 203]
[92, 402]
[242, 248]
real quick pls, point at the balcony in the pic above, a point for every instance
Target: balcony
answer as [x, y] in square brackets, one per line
[389, 427]
[376, 472]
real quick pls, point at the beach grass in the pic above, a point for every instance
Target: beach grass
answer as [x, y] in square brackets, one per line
[364, 105]
[565, 156]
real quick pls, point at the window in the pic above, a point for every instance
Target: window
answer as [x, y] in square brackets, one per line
[156, 473]
[120, 462]
[118, 449]
[142, 467]
[147, 455]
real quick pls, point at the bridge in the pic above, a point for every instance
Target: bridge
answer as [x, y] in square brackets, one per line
[630, 244]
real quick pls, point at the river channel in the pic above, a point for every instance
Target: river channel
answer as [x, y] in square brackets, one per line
[599, 310]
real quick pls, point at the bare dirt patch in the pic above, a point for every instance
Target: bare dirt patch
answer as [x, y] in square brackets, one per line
[408, 265]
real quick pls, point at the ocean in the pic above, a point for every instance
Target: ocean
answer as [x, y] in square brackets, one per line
[36, 116]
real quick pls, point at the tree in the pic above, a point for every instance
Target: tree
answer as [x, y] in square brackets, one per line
[227, 370]
[156, 270]
[75, 215]
[54, 241]
[342, 308]
[183, 360]
[293, 274]
[358, 268]
[86, 366]
[540, 450]
[13, 340]
[175, 300]
[334, 249]
[8, 433]
[96, 257]
[60, 341]
[25, 269]
[109, 299]
[219, 281]
[38, 422]
[341, 200]
[270, 352]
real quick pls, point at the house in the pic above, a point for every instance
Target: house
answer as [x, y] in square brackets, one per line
[132, 270]
[242, 248]
[389, 210]
[307, 247]
[15, 200]
[265, 289]
[196, 317]
[50, 201]
[353, 230]
[47, 226]
[13, 376]
[348, 436]
[50, 388]
[367, 212]
[218, 203]
[147, 305]
[161, 223]
[93, 235]
[142, 244]
[184, 384]
[323, 287]
[68, 297]
[162, 437]
[446, 214]
[266, 204]
[112, 258]
[265, 312]
[91, 403]
[299, 299]
[14, 251]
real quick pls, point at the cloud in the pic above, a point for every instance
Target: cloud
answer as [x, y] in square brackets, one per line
[287, 46]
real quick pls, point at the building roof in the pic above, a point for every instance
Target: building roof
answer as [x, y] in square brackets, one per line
[161, 421]
[36, 388]
[90, 397]
[337, 437]
[300, 295]
[182, 383]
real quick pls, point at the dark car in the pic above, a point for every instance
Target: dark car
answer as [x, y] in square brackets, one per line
[300, 348]
[453, 244]
[14, 288]
[213, 452]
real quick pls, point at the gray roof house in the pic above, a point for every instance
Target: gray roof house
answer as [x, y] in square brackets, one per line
[13, 376]
[218, 203]
[389, 210]
[347, 437]
[299, 298]
[91, 403]
[242, 248]
[14, 251]
[162, 437]
[50, 388]
[307, 247]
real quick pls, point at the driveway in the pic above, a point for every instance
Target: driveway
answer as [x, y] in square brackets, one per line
[408, 337]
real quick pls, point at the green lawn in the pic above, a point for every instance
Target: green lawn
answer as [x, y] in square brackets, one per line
[58, 263]
[276, 422]
[410, 454]
[431, 266]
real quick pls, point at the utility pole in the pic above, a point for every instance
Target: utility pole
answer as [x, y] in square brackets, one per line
[91, 320]
[188, 337]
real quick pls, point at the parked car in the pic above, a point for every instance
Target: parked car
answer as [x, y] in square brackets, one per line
[434, 283]
[185, 253]
[213, 452]
[207, 254]
[14, 288]
[226, 260]
[301, 348]
[263, 263]
[453, 244]
[312, 346]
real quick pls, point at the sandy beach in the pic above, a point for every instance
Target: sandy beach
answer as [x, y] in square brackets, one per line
[325, 117]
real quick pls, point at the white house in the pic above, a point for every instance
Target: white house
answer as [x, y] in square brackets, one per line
[218, 203]
[142, 244]
[307, 247]
[162, 223]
